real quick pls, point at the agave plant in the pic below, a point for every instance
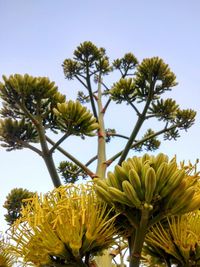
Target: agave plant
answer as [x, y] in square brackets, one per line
[64, 227]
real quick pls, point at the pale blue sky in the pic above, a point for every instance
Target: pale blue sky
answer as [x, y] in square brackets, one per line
[37, 35]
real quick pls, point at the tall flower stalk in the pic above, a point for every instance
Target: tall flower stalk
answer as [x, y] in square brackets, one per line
[33, 110]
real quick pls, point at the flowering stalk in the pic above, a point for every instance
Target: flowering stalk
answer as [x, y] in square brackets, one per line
[101, 166]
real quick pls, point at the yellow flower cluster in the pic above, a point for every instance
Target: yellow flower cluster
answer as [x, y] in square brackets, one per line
[179, 237]
[6, 257]
[64, 224]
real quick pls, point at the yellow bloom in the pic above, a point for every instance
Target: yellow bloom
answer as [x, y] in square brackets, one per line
[64, 224]
[179, 237]
[6, 257]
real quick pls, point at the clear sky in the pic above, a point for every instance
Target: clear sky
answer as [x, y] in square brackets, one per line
[37, 35]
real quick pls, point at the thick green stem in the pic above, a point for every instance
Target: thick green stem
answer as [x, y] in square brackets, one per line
[47, 156]
[72, 158]
[139, 238]
[131, 139]
[52, 170]
[131, 242]
[90, 93]
[106, 259]
[48, 159]
[117, 155]
[101, 166]
[137, 127]
[59, 142]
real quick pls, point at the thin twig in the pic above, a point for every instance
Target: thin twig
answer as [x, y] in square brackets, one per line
[89, 87]
[157, 218]
[117, 135]
[134, 107]
[91, 160]
[86, 164]
[72, 158]
[106, 105]
[76, 76]
[27, 145]
[59, 142]
[118, 250]
[137, 126]
[106, 87]
[113, 158]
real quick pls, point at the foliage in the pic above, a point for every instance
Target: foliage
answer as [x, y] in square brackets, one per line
[87, 57]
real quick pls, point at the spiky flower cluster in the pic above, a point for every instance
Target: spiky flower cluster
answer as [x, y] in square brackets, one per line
[14, 203]
[154, 72]
[27, 102]
[6, 257]
[62, 226]
[128, 62]
[75, 118]
[86, 56]
[152, 76]
[150, 183]
[150, 144]
[123, 90]
[168, 110]
[13, 133]
[70, 172]
[179, 238]
[25, 93]
[164, 109]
